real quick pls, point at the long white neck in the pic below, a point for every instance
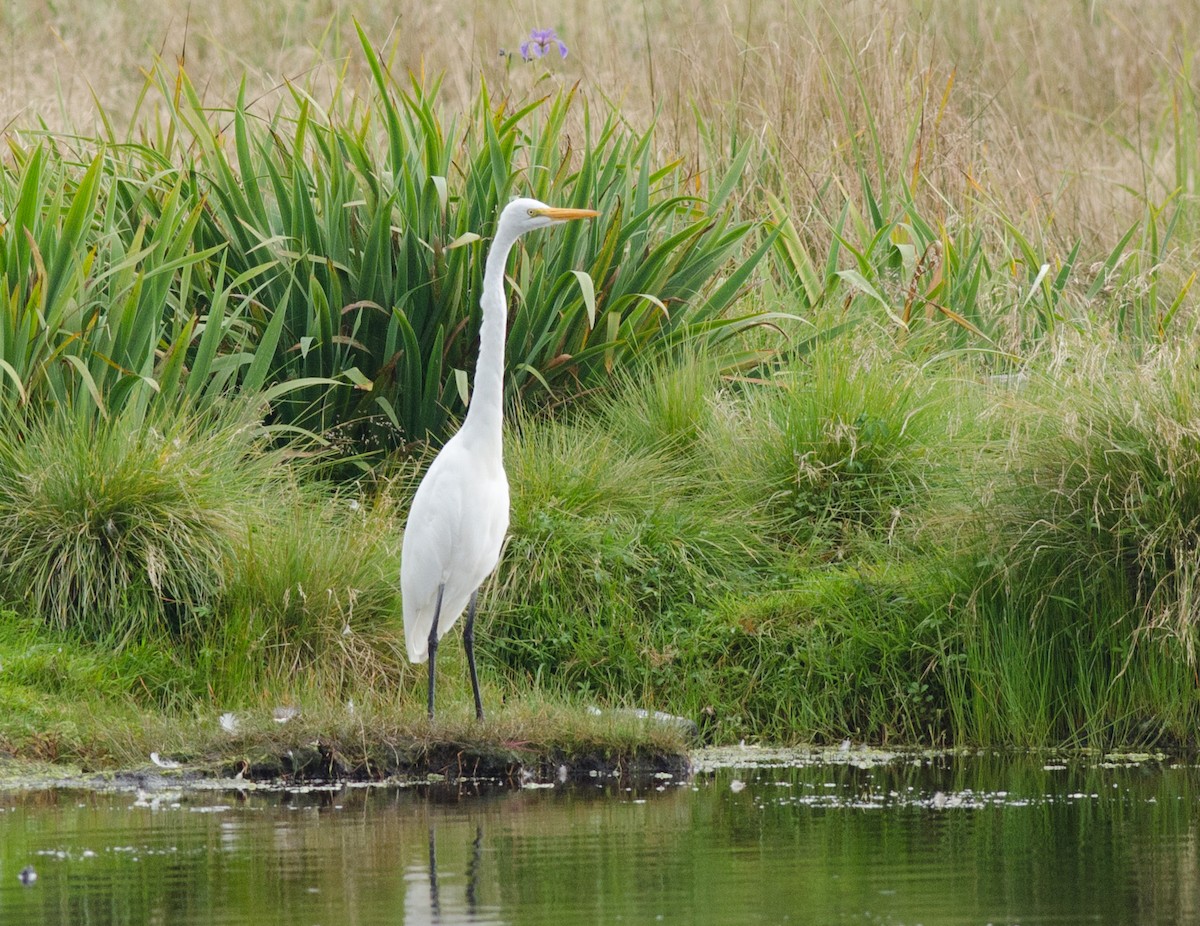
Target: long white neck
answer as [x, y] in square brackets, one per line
[485, 415]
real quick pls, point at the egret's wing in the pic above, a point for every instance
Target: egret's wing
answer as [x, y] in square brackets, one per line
[426, 557]
[455, 529]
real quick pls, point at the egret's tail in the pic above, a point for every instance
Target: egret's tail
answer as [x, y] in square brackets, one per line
[416, 635]
[418, 648]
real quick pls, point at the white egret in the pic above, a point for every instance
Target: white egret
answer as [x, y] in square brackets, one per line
[459, 515]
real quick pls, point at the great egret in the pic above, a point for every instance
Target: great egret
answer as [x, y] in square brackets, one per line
[459, 514]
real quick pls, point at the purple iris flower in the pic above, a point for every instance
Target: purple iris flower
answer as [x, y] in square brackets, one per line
[539, 43]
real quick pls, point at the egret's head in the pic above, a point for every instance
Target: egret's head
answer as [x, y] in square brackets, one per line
[524, 215]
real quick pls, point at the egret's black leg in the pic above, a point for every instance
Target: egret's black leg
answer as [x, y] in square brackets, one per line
[469, 646]
[435, 903]
[473, 873]
[433, 643]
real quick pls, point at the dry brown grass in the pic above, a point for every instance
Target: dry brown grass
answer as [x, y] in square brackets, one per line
[1045, 123]
[1042, 110]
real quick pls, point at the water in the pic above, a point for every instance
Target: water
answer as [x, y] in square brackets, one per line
[851, 837]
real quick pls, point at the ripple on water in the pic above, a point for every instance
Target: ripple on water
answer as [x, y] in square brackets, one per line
[757, 836]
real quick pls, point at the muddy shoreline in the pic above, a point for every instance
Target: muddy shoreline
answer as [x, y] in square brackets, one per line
[320, 763]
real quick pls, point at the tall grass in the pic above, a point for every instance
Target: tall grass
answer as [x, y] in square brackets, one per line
[337, 256]
[926, 217]
[312, 593]
[91, 293]
[866, 547]
[124, 528]
[190, 536]
[1105, 488]
[1077, 553]
[378, 276]
[109, 306]
[665, 553]
[834, 449]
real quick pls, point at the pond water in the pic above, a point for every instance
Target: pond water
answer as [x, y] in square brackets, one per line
[753, 837]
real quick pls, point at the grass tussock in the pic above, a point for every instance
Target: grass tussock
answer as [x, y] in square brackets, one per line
[1104, 489]
[191, 536]
[594, 540]
[844, 652]
[313, 593]
[998, 561]
[1074, 550]
[646, 569]
[658, 559]
[122, 528]
[837, 449]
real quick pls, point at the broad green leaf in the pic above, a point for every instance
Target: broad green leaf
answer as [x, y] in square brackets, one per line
[588, 290]
[464, 389]
[859, 282]
[464, 239]
[88, 381]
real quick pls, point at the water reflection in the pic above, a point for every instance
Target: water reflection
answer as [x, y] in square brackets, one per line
[859, 838]
[426, 900]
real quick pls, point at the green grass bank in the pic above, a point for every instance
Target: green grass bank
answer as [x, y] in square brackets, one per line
[866, 409]
[869, 548]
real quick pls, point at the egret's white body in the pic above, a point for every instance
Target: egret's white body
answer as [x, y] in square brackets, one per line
[455, 529]
[459, 515]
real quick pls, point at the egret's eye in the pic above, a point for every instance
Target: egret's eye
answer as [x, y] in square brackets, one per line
[533, 213]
